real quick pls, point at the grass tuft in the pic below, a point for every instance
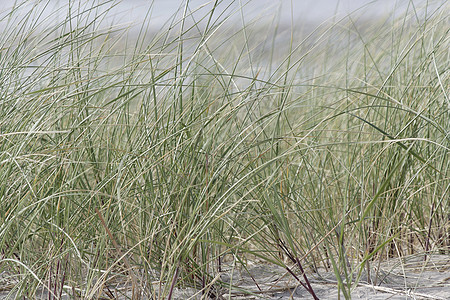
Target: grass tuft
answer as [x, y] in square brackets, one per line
[162, 158]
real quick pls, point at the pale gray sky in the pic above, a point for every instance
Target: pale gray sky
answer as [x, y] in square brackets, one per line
[301, 11]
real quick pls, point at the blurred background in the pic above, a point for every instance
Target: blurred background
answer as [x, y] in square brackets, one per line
[284, 12]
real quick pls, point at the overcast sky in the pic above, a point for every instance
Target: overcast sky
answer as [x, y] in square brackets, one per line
[300, 11]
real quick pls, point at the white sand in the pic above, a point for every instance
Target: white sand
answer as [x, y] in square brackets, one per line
[407, 278]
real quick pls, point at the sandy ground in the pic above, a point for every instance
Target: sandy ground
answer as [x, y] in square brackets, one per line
[408, 278]
[411, 278]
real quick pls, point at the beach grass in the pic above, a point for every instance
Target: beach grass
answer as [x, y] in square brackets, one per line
[156, 159]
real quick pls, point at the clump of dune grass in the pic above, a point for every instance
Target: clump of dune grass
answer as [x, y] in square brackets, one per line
[156, 158]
